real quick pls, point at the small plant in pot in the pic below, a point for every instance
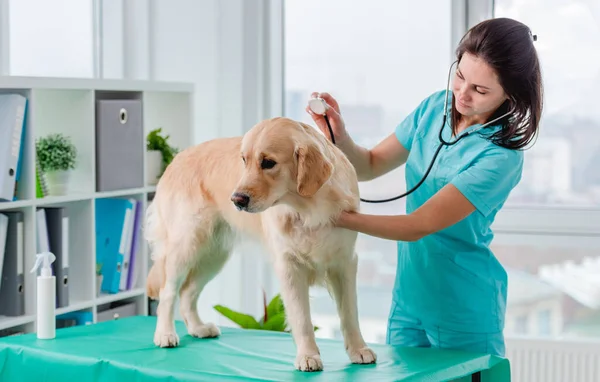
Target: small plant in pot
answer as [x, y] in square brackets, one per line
[57, 157]
[159, 154]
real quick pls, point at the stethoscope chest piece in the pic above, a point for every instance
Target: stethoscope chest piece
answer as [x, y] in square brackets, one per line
[317, 105]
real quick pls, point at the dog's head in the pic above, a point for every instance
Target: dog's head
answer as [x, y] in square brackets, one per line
[282, 160]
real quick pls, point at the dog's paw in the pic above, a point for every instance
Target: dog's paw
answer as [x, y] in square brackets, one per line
[364, 355]
[166, 339]
[208, 330]
[306, 362]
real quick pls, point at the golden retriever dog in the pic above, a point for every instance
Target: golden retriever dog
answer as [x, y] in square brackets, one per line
[282, 183]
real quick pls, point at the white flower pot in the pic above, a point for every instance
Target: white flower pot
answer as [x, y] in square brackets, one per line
[58, 182]
[153, 166]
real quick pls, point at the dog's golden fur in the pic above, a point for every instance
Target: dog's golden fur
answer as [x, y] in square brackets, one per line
[193, 222]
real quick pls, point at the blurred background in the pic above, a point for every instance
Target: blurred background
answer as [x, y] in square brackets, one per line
[252, 59]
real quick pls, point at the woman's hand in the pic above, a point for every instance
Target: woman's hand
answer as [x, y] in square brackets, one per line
[334, 116]
[343, 221]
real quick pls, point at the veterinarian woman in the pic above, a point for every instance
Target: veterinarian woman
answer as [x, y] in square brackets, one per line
[450, 290]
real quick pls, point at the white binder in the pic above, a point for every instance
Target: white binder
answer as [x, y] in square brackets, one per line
[12, 117]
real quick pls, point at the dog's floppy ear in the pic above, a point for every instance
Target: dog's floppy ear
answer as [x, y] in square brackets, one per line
[313, 169]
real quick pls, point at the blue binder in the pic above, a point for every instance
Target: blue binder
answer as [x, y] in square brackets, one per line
[111, 234]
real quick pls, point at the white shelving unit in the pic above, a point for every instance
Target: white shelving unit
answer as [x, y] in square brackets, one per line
[68, 106]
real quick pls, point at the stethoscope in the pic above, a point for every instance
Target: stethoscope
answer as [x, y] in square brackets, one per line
[319, 106]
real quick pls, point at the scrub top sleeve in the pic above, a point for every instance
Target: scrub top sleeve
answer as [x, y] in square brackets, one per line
[405, 131]
[488, 181]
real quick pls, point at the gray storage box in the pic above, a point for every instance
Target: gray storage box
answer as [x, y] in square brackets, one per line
[126, 310]
[119, 145]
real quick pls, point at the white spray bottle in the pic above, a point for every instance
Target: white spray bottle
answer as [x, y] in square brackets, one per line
[46, 296]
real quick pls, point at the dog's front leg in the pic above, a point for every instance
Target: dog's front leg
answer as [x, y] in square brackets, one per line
[294, 292]
[343, 284]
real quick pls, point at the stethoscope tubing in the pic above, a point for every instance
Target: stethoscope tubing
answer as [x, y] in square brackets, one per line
[443, 142]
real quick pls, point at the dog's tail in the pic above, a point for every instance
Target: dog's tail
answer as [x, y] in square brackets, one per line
[155, 237]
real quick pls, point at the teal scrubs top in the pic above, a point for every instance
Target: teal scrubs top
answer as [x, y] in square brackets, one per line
[451, 279]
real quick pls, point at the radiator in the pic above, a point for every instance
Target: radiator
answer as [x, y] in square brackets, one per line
[535, 360]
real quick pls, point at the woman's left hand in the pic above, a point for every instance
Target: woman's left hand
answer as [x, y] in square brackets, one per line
[343, 219]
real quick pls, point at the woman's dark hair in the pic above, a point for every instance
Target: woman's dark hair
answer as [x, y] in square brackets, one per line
[507, 47]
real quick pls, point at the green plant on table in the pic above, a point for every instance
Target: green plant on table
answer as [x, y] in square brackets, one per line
[273, 318]
[56, 152]
[155, 141]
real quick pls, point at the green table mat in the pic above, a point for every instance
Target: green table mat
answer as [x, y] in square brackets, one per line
[122, 350]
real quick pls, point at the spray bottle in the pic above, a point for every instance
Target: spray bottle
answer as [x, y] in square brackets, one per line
[46, 296]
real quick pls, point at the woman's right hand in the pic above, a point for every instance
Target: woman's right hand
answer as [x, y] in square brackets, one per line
[334, 116]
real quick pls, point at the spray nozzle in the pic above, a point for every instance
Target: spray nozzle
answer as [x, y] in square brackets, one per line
[45, 259]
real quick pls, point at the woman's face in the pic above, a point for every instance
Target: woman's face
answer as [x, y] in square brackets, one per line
[476, 89]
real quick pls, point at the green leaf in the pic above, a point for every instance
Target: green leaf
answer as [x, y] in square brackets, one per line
[243, 320]
[276, 323]
[156, 141]
[275, 307]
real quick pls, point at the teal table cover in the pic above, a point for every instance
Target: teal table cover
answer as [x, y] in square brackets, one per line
[122, 350]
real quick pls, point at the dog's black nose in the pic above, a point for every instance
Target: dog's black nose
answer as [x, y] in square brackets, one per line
[240, 200]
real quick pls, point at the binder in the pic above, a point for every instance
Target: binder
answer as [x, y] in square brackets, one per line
[12, 293]
[57, 221]
[12, 121]
[129, 226]
[136, 238]
[111, 239]
[41, 229]
[119, 145]
[3, 235]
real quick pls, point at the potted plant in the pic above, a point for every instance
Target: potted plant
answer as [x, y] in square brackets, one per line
[159, 153]
[57, 157]
[273, 318]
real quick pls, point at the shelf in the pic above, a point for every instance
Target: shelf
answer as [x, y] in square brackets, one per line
[69, 106]
[7, 206]
[10, 322]
[68, 112]
[57, 83]
[108, 298]
[74, 197]
[79, 305]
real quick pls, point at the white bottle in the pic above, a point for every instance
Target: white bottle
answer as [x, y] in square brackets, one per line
[46, 296]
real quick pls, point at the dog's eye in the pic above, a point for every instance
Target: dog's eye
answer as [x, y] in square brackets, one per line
[267, 164]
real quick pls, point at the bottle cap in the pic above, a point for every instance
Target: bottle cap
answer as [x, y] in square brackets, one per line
[45, 259]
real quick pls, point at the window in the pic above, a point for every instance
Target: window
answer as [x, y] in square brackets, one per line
[551, 249]
[551, 280]
[379, 59]
[562, 167]
[521, 324]
[51, 38]
[544, 323]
